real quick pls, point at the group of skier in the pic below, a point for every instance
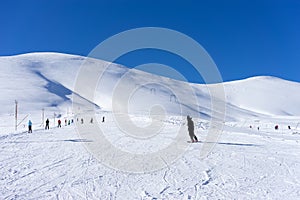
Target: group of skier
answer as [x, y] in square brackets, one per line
[190, 125]
[91, 120]
[276, 127]
[47, 126]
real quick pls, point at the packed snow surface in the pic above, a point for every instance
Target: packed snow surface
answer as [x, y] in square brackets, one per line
[250, 160]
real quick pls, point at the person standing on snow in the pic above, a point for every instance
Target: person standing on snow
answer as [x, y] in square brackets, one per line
[59, 123]
[29, 126]
[190, 125]
[47, 124]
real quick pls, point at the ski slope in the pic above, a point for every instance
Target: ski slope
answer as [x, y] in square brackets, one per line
[246, 163]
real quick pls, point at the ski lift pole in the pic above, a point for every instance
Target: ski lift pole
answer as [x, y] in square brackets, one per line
[16, 115]
[43, 117]
[54, 115]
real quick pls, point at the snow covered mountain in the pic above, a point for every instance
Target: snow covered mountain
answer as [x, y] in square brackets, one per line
[46, 80]
[250, 159]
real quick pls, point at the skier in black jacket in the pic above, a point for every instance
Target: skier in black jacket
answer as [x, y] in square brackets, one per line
[190, 125]
[47, 124]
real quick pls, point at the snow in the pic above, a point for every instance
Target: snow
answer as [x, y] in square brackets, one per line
[246, 163]
[252, 95]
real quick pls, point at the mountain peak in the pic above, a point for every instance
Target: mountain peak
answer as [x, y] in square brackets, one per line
[35, 71]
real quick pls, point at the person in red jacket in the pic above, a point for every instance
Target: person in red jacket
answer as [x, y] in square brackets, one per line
[59, 123]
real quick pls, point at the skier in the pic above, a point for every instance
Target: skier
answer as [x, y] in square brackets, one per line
[103, 119]
[81, 121]
[29, 126]
[66, 122]
[47, 124]
[276, 127]
[91, 120]
[190, 125]
[59, 123]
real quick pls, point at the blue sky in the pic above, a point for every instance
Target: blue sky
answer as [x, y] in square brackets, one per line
[244, 38]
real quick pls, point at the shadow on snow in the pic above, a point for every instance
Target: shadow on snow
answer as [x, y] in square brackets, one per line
[232, 144]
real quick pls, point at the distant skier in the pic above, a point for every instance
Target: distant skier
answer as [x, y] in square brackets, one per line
[276, 127]
[92, 120]
[190, 125]
[59, 123]
[29, 126]
[103, 119]
[47, 124]
[66, 122]
[81, 121]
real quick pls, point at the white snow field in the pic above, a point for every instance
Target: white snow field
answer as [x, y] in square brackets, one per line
[251, 160]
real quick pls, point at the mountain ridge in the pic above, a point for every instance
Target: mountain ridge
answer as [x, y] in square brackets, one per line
[260, 95]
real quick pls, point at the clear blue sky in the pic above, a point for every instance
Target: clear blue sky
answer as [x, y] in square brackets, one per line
[245, 38]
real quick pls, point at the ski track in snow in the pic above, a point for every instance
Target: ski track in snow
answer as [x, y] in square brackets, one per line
[54, 164]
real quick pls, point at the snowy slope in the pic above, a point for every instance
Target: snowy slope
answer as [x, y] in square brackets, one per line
[40, 80]
[267, 95]
[24, 78]
[246, 163]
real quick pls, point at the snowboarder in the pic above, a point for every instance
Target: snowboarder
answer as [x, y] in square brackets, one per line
[59, 123]
[190, 125]
[47, 124]
[29, 126]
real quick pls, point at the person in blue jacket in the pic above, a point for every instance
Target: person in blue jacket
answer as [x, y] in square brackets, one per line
[29, 126]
